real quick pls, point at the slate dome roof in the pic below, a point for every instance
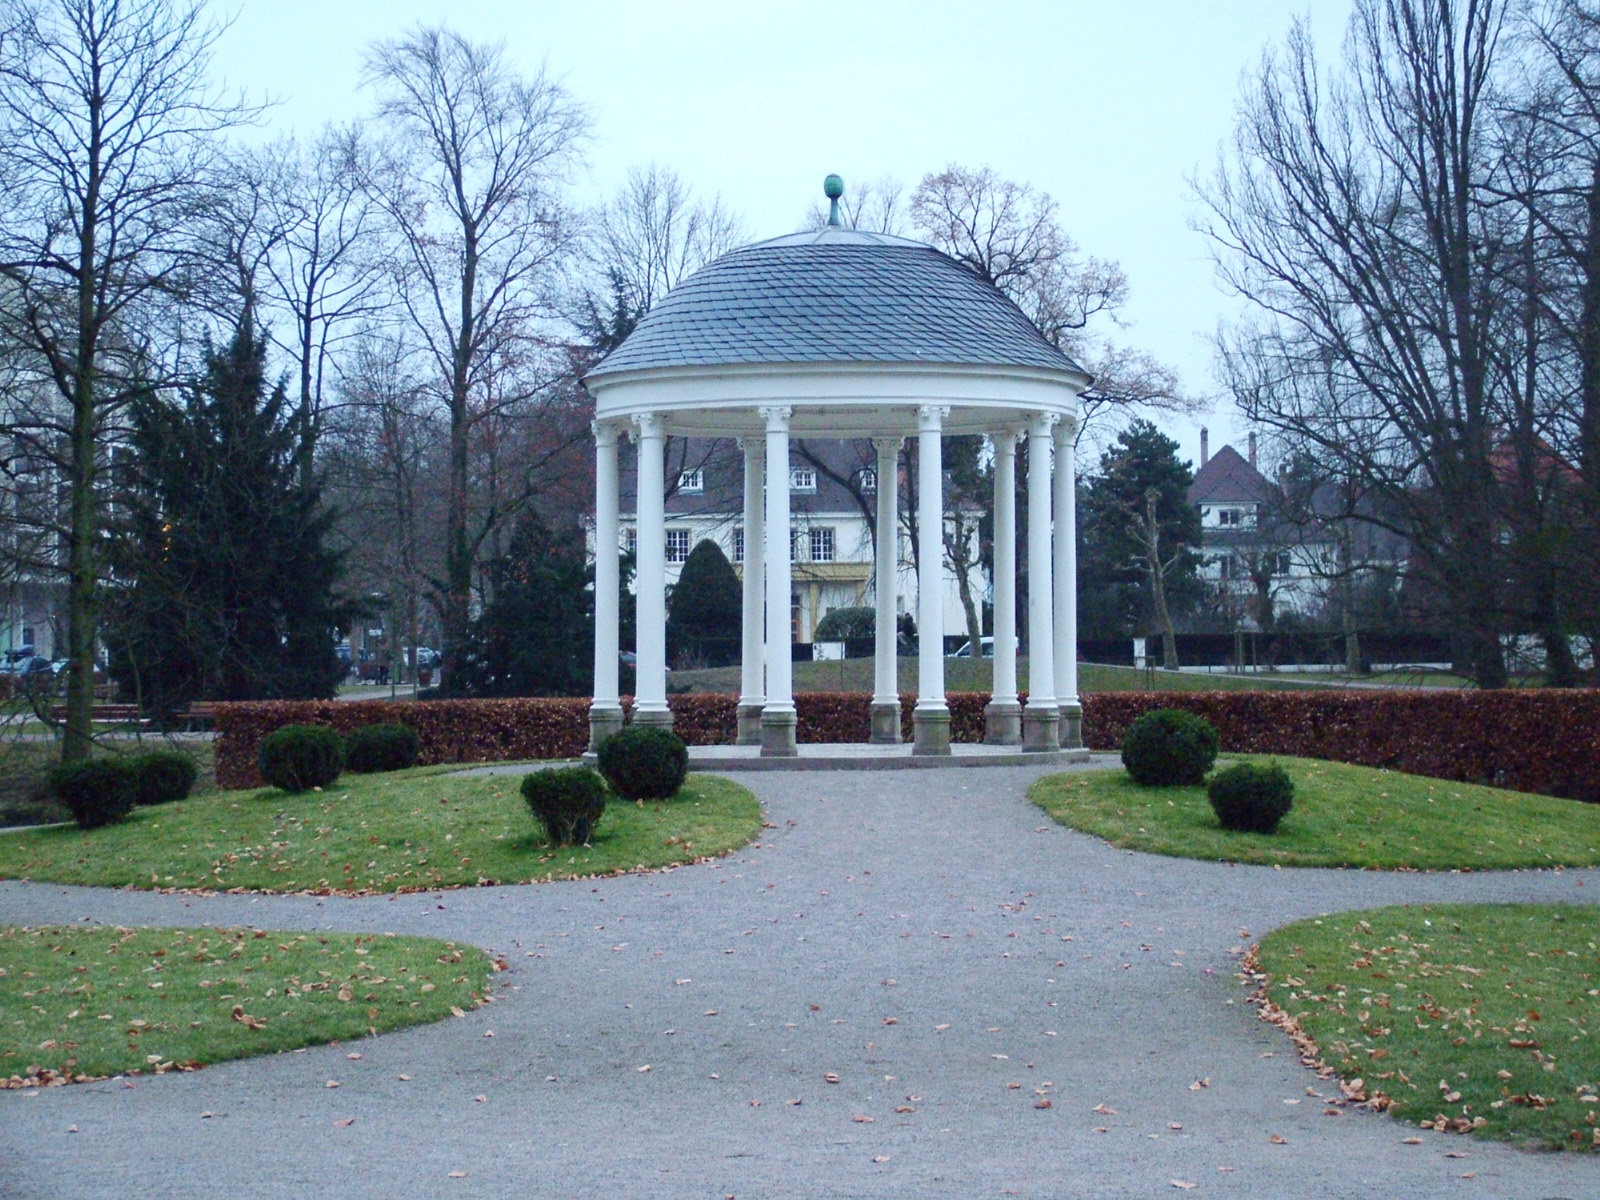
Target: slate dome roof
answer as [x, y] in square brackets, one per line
[834, 296]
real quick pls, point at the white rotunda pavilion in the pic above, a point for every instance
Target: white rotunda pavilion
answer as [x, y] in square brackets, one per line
[843, 334]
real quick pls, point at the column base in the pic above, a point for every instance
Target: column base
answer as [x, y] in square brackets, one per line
[1002, 723]
[604, 720]
[750, 724]
[1072, 726]
[885, 723]
[1041, 728]
[778, 734]
[932, 730]
[654, 718]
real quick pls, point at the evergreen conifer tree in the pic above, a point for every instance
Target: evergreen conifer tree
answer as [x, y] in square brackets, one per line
[223, 586]
[704, 611]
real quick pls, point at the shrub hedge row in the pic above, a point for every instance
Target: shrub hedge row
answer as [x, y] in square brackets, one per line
[1534, 741]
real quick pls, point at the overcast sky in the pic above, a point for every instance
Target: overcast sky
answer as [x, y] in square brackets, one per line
[1109, 107]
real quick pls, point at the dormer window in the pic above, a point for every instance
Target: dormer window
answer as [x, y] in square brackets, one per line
[692, 481]
[867, 477]
[802, 479]
[1227, 516]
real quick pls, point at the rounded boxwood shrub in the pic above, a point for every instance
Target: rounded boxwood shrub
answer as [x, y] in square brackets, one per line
[568, 802]
[381, 748]
[1169, 747]
[1250, 798]
[298, 758]
[96, 791]
[643, 762]
[161, 775]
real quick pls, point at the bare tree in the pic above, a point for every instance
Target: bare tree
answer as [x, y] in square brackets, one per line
[1352, 214]
[654, 233]
[475, 155]
[107, 131]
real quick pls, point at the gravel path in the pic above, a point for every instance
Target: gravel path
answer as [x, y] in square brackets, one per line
[928, 938]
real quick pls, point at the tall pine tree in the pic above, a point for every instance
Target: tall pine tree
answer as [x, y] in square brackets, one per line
[223, 586]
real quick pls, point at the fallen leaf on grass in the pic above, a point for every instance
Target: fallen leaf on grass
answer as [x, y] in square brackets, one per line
[246, 1019]
[455, 1011]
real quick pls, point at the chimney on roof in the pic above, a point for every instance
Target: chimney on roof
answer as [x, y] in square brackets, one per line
[1252, 449]
[1205, 445]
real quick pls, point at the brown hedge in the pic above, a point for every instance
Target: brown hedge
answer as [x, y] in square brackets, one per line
[1530, 741]
[1535, 741]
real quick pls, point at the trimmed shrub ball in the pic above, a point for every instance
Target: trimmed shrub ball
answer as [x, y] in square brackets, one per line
[1169, 748]
[161, 775]
[381, 748]
[1251, 799]
[643, 762]
[568, 801]
[298, 758]
[96, 791]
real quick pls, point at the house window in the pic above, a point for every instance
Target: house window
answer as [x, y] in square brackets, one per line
[802, 479]
[1224, 569]
[868, 479]
[630, 540]
[1227, 516]
[822, 545]
[677, 545]
[738, 544]
[692, 481]
[1281, 565]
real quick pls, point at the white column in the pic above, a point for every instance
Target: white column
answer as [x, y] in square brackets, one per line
[886, 663]
[605, 712]
[1066, 583]
[1041, 720]
[778, 716]
[650, 702]
[932, 717]
[752, 672]
[1003, 717]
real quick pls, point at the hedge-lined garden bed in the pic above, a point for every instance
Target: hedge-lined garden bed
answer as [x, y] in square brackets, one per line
[1532, 741]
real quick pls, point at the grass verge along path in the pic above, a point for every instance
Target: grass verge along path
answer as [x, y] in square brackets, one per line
[84, 1002]
[1460, 1017]
[409, 830]
[1343, 816]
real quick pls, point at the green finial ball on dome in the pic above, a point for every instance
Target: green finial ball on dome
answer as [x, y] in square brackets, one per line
[833, 188]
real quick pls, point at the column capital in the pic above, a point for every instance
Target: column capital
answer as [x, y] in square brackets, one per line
[930, 417]
[753, 444]
[777, 417]
[647, 425]
[605, 434]
[1043, 424]
[888, 445]
[1066, 428]
[1004, 439]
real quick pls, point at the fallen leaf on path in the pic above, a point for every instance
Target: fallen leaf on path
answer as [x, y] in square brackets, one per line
[348, 1121]
[1104, 1111]
[1278, 1141]
[830, 1077]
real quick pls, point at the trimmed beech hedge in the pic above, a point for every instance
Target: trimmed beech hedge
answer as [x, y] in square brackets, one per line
[1529, 740]
[1545, 740]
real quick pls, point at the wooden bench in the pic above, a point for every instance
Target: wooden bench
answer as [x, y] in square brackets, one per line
[200, 714]
[104, 714]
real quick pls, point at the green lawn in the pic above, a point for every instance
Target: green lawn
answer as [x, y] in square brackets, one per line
[976, 675]
[87, 1002]
[25, 797]
[1458, 1016]
[1343, 816]
[409, 830]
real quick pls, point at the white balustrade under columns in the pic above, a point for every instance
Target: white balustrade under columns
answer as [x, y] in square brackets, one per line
[650, 699]
[1066, 589]
[752, 663]
[1002, 718]
[605, 710]
[885, 651]
[931, 718]
[778, 715]
[1041, 719]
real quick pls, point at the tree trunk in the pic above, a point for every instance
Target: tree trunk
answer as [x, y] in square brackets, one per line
[1158, 583]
